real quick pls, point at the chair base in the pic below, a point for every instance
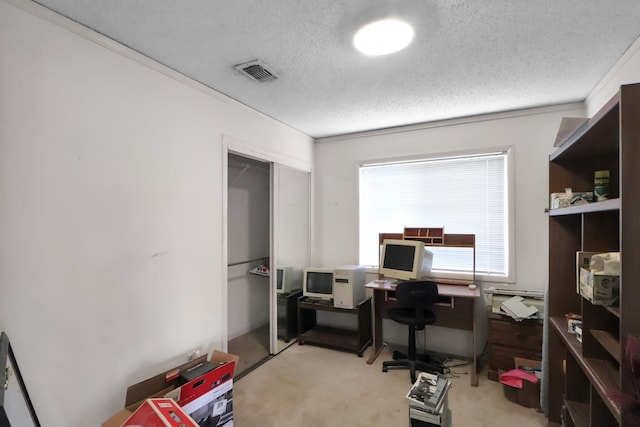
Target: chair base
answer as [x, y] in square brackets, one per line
[430, 358]
[413, 366]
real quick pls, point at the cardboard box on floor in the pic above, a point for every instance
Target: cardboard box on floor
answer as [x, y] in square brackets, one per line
[161, 385]
[529, 395]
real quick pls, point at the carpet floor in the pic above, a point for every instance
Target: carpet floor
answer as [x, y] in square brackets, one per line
[312, 386]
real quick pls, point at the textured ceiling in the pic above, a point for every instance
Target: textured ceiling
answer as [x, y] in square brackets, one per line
[468, 57]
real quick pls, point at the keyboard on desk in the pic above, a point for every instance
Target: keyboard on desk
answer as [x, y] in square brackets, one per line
[318, 301]
[453, 282]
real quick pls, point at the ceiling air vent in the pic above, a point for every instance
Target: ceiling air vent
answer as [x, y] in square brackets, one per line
[256, 70]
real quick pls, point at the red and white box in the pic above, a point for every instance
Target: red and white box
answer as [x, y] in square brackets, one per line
[214, 408]
[206, 398]
[192, 390]
[159, 412]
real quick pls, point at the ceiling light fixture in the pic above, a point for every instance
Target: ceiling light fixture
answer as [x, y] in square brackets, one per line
[383, 37]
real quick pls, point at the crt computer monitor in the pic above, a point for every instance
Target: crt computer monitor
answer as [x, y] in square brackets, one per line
[318, 283]
[285, 282]
[405, 259]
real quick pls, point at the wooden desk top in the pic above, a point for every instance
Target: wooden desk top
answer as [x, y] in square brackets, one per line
[461, 291]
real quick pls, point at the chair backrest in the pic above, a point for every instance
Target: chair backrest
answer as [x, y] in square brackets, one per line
[418, 295]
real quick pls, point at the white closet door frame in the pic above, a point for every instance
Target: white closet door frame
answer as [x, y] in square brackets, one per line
[231, 144]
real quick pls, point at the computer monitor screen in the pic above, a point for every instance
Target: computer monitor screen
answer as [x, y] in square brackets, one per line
[405, 259]
[399, 257]
[318, 283]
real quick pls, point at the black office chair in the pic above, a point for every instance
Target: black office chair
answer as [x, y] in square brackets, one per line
[414, 298]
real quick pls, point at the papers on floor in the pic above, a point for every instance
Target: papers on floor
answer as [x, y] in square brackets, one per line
[517, 309]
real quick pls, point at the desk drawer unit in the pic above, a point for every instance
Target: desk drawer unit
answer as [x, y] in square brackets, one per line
[509, 339]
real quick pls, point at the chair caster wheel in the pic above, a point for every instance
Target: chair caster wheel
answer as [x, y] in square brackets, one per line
[384, 369]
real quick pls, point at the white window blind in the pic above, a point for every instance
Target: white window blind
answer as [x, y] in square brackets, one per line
[465, 195]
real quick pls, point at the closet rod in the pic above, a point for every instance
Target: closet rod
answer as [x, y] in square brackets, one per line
[264, 258]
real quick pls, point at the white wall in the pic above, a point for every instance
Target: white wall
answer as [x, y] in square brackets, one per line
[626, 71]
[531, 133]
[111, 182]
[532, 136]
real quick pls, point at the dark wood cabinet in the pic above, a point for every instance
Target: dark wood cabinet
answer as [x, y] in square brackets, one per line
[509, 339]
[309, 331]
[584, 375]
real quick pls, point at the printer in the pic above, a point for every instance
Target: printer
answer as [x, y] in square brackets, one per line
[527, 298]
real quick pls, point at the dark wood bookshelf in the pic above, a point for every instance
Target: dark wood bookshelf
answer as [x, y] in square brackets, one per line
[602, 375]
[579, 412]
[609, 342]
[583, 376]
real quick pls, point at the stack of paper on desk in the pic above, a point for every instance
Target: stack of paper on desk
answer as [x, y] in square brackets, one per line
[515, 308]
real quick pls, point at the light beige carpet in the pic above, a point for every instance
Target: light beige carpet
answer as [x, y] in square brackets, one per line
[313, 386]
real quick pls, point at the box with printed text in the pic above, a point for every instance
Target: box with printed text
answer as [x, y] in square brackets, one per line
[159, 412]
[204, 387]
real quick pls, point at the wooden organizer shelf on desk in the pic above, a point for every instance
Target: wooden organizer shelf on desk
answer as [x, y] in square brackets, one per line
[312, 333]
[431, 238]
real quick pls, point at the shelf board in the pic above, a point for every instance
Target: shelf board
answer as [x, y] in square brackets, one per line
[613, 310]
[607, 205]
[579, 412]
[604, 122]
[331, 337]
[324, 306]
[609, 342]
[603, 375]
[570, 340]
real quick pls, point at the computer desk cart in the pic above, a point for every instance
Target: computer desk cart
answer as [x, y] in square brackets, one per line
[312, 333]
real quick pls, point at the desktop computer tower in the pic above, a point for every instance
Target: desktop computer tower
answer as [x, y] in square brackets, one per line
[348, 286]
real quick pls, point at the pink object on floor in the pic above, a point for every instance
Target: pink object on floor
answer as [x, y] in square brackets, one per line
[515, 377]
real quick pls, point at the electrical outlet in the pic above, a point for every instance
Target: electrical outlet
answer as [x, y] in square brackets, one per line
[194, 354]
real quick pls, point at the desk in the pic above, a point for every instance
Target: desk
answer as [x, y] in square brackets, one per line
[455, 309]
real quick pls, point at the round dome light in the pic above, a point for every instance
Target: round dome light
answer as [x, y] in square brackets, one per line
[383, 37]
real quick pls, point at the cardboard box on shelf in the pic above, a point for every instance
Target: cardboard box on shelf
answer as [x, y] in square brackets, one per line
[594, 285]
[570, 198]
[159, 412]
[599, 289]
[583, 259]
[216, 383]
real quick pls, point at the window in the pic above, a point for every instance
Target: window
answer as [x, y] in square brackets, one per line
[464, 194]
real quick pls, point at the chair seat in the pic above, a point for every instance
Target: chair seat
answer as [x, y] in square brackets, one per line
[407, 316]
